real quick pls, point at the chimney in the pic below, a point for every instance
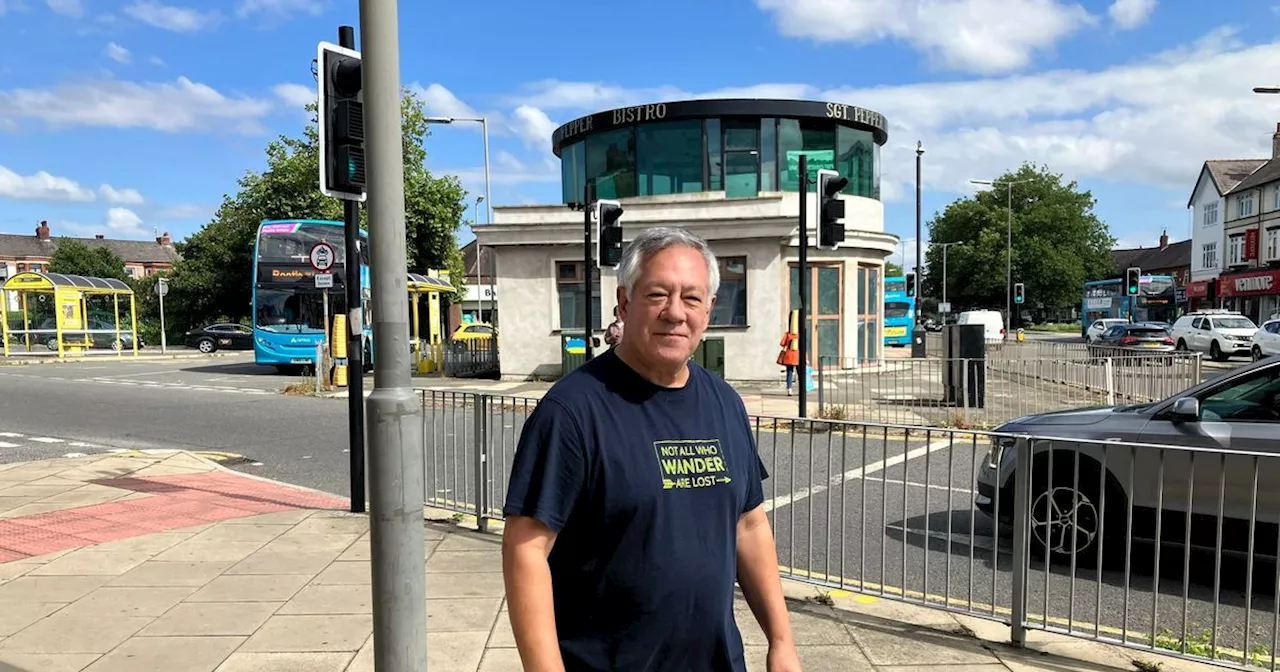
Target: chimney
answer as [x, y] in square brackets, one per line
[1275, 143]
[1164, 239]
[42, 231]
[99, 236]
[164, 240]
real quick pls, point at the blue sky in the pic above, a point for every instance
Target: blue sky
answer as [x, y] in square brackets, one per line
[125, 117]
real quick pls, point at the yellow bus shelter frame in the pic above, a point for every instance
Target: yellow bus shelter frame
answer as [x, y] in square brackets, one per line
[71, 308]
[434, 288]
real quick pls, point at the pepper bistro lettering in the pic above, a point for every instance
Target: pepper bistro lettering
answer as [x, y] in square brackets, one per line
[639, 114]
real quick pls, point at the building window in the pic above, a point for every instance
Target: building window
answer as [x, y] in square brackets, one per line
[814, 139]
[1210, 255]
[731, 299]
[1273, 244]
[669, 157]
[1235, 250]
[769, 154]
[1244, 205]
[715, 173]
[569, 279]
[1210, 213]
[573, 174]
[611, 163]
[1276, 204]
[856, 157]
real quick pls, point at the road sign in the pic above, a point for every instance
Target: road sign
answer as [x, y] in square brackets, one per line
[322, 258]
[324, 280]
[162, 286]
[944, 307]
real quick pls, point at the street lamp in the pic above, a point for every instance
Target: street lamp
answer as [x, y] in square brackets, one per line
[479, 259]
[1266, 89]
[944, 247]
[1008, 290]
[484, 124]
[918, 334]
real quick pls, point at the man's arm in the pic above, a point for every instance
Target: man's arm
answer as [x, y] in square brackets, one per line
[530, 603]
[759, 578]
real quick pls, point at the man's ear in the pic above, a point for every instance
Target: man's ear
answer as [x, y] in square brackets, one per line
[622, 302]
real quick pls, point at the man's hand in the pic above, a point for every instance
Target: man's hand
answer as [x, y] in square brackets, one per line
[783, 658]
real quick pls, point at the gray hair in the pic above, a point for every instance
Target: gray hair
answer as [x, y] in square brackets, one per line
[653, 240]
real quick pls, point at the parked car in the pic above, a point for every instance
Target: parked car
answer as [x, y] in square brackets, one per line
[1107, 452]
[476, 331]
[1098, 327]
[1220, 333]
[1266, 340]
[102, 333]
[1133, 340]
[216, 337]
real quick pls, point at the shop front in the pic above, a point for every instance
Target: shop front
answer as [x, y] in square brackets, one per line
[1255, 294]
[1201, 295]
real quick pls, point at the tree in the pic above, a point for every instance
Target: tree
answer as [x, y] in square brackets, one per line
[1058, 243]
[73, 257]
[892, 270]
[214, 278]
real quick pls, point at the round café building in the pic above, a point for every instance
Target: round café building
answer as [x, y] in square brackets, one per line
[727, 170]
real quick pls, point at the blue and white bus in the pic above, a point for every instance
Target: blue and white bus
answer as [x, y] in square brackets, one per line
[899, 312]
[288, 309]
[1105, 299]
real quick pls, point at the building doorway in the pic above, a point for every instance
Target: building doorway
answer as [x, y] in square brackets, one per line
[826, 312]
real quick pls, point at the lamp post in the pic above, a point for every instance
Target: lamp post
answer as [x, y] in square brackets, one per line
[944, 247]
[918, 333]
[488, 197]
[1008, 289]
[475, 217]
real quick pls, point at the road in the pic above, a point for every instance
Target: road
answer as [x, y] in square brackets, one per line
[877, 510]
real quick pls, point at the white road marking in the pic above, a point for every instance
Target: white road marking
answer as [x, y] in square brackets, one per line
[46, 439]
[74, 455]
[4, 444]
[874, 467]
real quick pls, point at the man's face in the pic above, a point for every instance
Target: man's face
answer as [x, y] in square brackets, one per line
[669, 307]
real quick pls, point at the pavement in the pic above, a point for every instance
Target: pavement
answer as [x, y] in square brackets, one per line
[162, 560]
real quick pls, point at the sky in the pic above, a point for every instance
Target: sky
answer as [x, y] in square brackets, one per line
[129, 118]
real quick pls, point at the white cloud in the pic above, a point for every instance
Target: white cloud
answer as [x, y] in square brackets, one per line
[124, 223]
[533, 126]
[169, 17]
[508, 170]
[120, 196]
[1129, 14]
[72, 8]
[42, 186]
[157, 61]
[280, 8]
[181, 105]
[117, 53]
[440, 102]
[984, 36]
[295, 95]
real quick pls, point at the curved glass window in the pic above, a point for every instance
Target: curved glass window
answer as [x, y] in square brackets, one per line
[669, 157]
[611, 163]
[573, 175]
[856, 159]
[815, 139]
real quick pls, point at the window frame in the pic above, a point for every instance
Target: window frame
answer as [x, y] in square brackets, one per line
[1209, 214]
[1235, 249]
[723, 262]
[556, 282]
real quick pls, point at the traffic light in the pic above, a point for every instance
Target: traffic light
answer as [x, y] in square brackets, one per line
[911, 285]
[609, 242]
[1133, 280]
[341, 117]
[830, 209]
[1019, 293]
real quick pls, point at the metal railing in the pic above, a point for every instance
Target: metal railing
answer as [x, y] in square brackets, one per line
[1093, 540]
[478, 357]
[932, 392]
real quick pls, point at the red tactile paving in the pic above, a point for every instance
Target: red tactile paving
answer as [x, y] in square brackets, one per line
[173, 502]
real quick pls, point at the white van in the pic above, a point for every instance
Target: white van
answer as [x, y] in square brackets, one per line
[991, 320]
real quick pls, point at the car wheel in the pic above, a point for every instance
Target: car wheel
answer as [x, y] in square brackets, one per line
[1069, 517]
[1182, 345]
[1215, 352]
[1257, 353]
[117, 345]
[206, 345]
[52, 344]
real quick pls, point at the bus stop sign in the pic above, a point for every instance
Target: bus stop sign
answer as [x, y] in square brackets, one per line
[322, 257]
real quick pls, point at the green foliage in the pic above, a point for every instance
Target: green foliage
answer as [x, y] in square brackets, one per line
[892, 270]
[214, 278]
[73, 257]
[1058, 243]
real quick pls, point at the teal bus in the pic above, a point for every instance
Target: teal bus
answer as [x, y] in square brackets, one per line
[899, 312]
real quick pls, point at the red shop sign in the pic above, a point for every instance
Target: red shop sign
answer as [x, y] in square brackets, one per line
[1250, 244]
[1198, 290]
[1250, 284]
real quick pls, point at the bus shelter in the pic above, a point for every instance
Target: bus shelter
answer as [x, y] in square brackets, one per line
[61, 304]
[434, 288]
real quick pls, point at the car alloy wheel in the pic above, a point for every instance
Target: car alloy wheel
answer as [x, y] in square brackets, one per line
[205, 346]
[1064, 521]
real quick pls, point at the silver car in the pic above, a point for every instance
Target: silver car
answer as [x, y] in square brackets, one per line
[1239, 410]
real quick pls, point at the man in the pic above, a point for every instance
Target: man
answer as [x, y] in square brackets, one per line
[613, 335]
[635, 497]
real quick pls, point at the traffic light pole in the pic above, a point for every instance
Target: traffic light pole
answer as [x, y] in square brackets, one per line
[802, 371]
[918, 334]
[588, 265]
[355, 336]
[397, 535]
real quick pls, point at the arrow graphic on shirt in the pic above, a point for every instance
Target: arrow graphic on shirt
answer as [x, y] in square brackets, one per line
[726, 479]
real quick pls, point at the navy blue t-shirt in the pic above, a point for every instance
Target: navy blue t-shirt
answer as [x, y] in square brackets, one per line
[644, 486]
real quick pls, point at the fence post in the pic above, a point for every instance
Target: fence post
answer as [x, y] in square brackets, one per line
[318, 365]
[1110, 373]
[1021, 540]
[481, 435]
